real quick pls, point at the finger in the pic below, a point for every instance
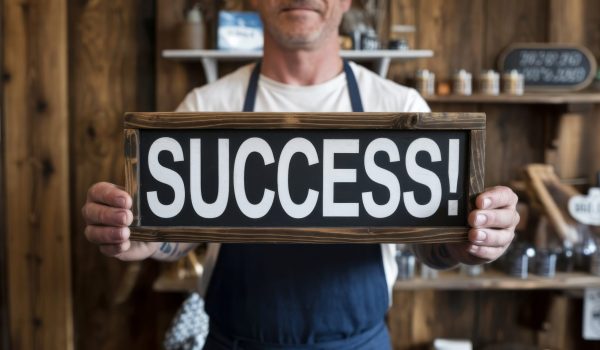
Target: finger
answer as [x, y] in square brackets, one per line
[98, 214]
[115, 250]
[486, 253]
[106, 234]
[497, 197]
[490, 237]
[109, 194]
[497, 218]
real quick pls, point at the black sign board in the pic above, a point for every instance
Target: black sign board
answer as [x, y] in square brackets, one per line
[550, 67]
[336, 177]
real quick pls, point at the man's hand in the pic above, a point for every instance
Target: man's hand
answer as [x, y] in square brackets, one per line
[493, 225]
[107, 215]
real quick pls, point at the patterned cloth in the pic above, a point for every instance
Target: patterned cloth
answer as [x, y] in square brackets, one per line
[189, 328]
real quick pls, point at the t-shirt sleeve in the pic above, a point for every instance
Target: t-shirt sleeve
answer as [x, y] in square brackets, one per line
[189, 103]
[417, 103]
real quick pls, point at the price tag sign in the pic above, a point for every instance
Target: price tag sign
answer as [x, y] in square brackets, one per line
[586, 209]
[550, 67]
[347, 177]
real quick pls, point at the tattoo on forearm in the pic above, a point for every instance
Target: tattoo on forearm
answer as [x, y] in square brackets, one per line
[174, 251]
[434, 255]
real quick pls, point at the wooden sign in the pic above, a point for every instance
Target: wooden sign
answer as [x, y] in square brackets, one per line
[293, 177]
[550, 67]
[586, 209]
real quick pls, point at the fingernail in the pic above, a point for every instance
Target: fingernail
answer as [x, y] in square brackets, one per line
[473, 248]
[121, 202]
[123, 217]
[480, 236]
[486, 203]
[480, 220]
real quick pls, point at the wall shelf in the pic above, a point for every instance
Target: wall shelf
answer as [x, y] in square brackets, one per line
[494, 280]
[585, 97]
[210, 58]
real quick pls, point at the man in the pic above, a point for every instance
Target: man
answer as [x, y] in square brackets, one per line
[301, 296]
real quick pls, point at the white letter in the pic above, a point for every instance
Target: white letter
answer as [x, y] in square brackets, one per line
[296, 145]
[166, 176]
[202, 208]
[423, 176]
[261, 147]
[383, 177]
[332, 175]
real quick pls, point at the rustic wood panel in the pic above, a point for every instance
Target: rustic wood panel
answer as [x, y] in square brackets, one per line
[512, 21]
[35, 110]
[403, 121]
[174, 80]
[4, 329]
[112, 71]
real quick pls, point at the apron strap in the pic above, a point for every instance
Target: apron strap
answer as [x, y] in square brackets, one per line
[355, 99]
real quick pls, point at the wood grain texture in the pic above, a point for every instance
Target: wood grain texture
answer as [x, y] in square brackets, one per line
[35, 110]
[112, 71]
[132, 171]
[402, 121]
[174, 80]
[4, 328]
[301, 235]
[476, 166]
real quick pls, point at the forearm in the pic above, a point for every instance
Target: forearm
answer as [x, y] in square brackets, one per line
[173, 251]
[437, 256]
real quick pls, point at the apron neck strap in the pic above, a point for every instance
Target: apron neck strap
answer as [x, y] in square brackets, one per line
[355, 100]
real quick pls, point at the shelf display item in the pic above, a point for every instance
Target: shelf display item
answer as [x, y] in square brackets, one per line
[462, 83]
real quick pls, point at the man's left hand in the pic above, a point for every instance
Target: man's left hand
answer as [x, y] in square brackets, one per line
[492, 224]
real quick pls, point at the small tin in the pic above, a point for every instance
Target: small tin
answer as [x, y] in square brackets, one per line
[462, 83]
[406, 265]
[513, 83]
[545, 264]
[489, 83]
[425, 82]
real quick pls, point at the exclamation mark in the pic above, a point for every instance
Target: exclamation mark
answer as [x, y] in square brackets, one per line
[453, 157]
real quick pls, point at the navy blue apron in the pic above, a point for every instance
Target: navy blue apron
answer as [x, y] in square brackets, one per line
[298, 296]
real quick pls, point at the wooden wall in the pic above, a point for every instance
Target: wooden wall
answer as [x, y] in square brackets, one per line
[70, 69]
[112, 71]
[4, 330]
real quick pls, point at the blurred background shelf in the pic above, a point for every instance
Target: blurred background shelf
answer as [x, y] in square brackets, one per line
[584, 97]
[209, 58]
[494, 280]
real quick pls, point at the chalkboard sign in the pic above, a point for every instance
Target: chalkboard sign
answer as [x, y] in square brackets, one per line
[274, 177]
[550, 67]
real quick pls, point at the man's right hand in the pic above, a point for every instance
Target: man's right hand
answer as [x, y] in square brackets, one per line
[107, 216]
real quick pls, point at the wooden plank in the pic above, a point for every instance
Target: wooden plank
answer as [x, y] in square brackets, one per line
[37, 174]
[402, 121]
[454, 31]
[529, 98]
[173, 79]
[565, 23]
[112, 71]
[496, 280]
[4, 327]
[512, 21]
[476, 166]
[300, 235]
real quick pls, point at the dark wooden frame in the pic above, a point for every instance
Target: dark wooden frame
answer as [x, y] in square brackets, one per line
[473, 123]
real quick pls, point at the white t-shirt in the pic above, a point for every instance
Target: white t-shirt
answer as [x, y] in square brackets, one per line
[377, 94]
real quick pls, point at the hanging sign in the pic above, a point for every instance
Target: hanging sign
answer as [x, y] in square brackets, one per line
[586, 209]
[346, 177]
[550, 67]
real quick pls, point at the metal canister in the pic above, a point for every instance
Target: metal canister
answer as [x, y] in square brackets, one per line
[489, 82]
[425, 82]
[513, 83]
[462, 83]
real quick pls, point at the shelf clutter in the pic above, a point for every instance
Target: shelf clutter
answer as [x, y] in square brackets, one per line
[549, 98]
